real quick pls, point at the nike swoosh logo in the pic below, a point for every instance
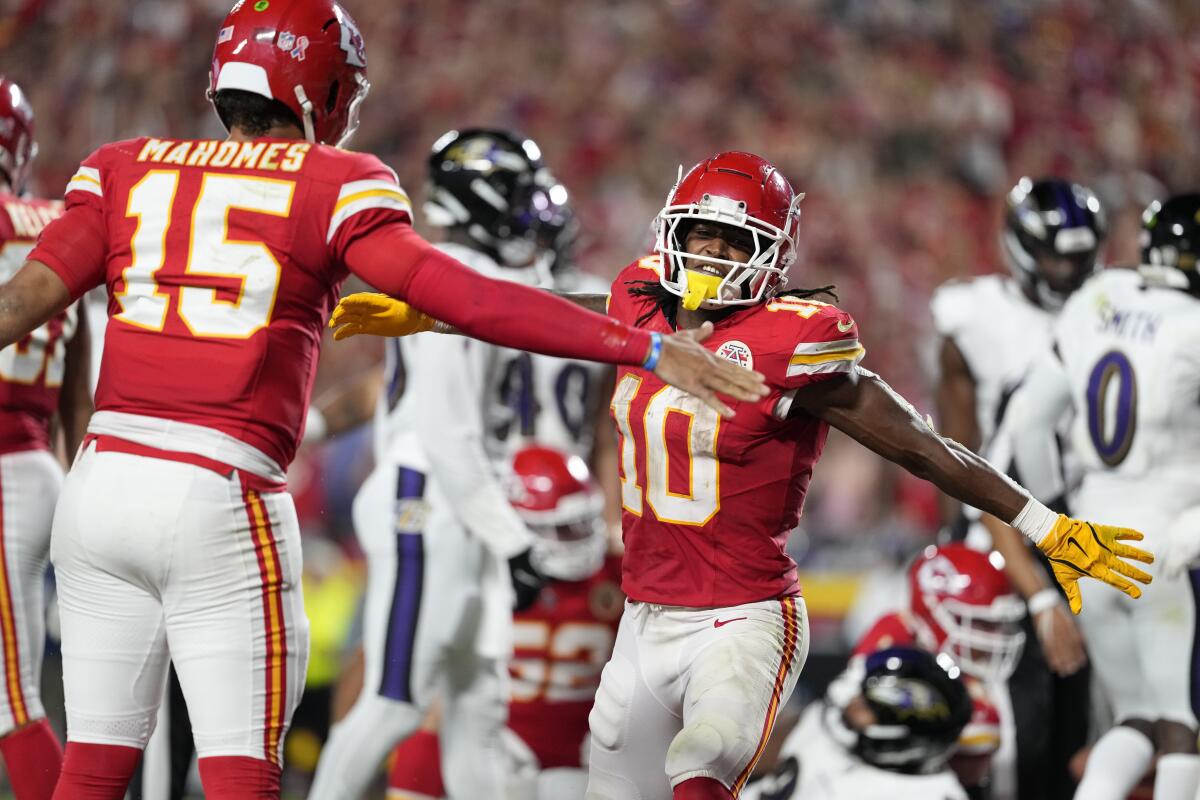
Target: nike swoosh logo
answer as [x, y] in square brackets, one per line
[845, 327]
[1074, 541]
[719, 622]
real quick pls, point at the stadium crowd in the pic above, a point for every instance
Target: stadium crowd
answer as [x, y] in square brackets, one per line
[903, 122]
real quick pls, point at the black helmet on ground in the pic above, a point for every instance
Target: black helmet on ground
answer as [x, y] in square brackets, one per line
[919, 705]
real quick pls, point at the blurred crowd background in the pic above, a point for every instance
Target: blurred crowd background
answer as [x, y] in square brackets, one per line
[904, 121]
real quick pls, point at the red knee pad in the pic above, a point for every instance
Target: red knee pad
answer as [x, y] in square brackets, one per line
[96, 771]
[239, 778]
[701, 789]
[34, 759]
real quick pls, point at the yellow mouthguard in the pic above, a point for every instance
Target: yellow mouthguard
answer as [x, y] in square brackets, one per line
[700, 286]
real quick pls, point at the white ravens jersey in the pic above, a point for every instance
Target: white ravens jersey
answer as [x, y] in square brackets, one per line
[814, 765]
[1131, 355]
[552, 401]
[998, 330]
[487, 364]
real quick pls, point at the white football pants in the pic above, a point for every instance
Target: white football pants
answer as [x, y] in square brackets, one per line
[29, 485]
[159, 560]
[692, 693]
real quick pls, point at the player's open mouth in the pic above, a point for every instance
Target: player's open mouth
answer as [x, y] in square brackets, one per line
[708, 269]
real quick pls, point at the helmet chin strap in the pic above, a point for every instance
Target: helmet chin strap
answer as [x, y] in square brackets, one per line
[305, 104]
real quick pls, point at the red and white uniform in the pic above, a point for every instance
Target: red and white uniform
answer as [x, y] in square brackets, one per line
[31, 376]
[222, 261]
[561, 644]
[221, 275]
[709, 503]
[715, 632]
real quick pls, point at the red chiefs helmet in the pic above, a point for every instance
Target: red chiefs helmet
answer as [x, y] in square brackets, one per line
[555, 495]
[17, 147]
[307, 54]
[739, 189]
[962, 604]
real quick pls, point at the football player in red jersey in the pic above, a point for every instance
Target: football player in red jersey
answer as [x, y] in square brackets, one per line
[44, 373]
[174, 536]
[714, 633]
[561, 641]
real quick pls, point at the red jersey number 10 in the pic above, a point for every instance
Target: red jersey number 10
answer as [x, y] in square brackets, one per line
[211, 254]
[699, 501]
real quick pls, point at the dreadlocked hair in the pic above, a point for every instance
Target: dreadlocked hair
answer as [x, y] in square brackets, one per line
[667, 302]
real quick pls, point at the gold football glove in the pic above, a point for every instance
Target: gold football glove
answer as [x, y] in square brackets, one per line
[1077, 549]
[377, 314]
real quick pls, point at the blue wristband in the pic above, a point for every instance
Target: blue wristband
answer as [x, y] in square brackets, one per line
[655, 352]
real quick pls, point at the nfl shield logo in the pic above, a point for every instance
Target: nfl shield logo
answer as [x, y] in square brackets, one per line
[737, 352]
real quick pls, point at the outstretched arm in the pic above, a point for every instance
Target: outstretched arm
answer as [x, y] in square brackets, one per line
[378, 314]
[863, 406]
[404, 265]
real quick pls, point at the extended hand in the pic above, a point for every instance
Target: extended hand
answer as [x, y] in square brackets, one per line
[1077, 548]
[686, 364]
[378, 315]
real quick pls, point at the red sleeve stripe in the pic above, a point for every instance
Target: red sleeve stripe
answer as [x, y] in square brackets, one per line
[791, 639]
[274, 624]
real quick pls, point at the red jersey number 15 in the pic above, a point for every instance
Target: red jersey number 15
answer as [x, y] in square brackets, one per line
[692, 503]
[211, 254]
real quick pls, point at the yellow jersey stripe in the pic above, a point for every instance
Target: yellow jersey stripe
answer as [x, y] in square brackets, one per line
[395, 194]
[825, 358]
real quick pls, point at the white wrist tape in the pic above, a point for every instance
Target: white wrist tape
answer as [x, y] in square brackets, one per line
[1043, 600]
[1035, 520]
